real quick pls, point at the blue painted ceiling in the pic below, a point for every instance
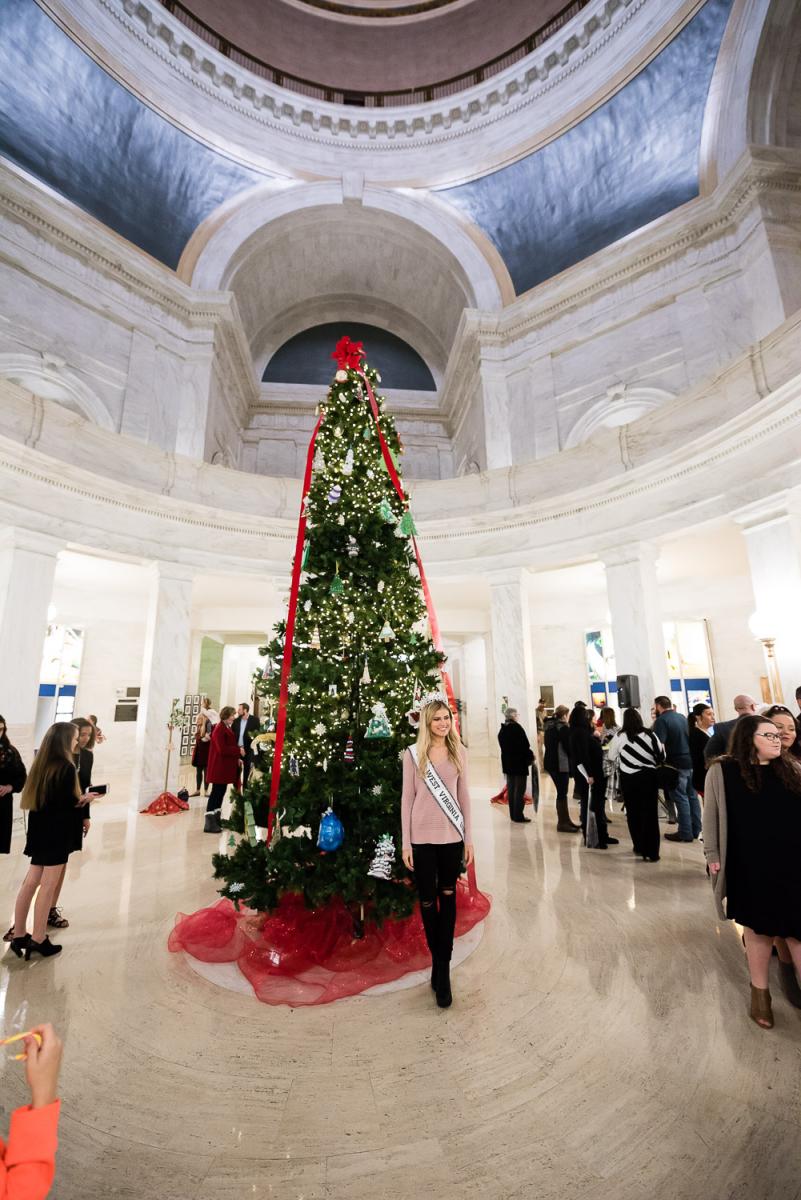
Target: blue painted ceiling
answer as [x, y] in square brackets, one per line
[632, 160]
[70, 124]
[65, 120]
[306, 357]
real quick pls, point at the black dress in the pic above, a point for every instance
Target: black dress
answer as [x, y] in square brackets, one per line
[56, 828]
[763, 852]
[12, 772]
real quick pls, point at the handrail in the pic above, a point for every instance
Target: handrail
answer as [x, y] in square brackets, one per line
[360, 99]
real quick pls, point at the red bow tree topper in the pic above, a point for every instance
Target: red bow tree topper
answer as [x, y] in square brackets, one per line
[349, 354]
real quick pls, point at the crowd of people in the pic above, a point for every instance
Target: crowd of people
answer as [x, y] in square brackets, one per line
[746, 772]
[222, 755]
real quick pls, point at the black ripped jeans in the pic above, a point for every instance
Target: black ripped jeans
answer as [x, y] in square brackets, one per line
[437, 866]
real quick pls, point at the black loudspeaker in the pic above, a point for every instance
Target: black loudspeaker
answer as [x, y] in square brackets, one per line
[628, 691]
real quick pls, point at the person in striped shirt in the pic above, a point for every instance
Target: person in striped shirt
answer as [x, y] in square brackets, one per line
[638, 753]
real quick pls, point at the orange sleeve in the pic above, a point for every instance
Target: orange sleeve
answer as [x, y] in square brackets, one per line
[28, 1162]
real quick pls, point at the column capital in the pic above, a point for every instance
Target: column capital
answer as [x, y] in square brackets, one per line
[504, 576]
[769, 510]
[14, 537]
[162, 569]
[629, 552]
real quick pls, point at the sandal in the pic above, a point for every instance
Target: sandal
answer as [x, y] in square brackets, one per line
[761, 1008]
[56, 920]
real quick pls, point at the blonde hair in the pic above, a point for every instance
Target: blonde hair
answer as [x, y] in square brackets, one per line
[54, 753]
[424, 739]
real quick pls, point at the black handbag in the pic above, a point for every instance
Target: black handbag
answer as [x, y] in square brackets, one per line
[666, 776]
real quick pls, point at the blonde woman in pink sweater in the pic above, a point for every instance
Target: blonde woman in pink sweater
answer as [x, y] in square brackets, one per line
[437, 833]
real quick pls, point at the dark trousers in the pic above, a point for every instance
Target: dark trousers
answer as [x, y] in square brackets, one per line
[515, 794]
[247, 763]
[436, 868]
[592, 799]
[200, 775]
[561, 780]
[640, 792]
[216, 797]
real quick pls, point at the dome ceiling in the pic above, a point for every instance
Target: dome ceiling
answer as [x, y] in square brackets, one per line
[371, 46]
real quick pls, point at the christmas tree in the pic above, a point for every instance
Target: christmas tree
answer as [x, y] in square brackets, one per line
[361, 655]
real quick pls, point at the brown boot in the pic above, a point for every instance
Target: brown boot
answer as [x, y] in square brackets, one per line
[761, 1008]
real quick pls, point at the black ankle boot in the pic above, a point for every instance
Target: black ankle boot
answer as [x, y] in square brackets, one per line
[444, 996]
[45, 948]
[212, 824]
[20, 944]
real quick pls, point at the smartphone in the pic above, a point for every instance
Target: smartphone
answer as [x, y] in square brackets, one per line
[98, 789]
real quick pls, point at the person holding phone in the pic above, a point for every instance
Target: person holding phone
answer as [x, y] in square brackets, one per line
[28, 1159]
[51, 797]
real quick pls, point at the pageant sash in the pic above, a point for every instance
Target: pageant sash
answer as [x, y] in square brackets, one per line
[442, 796]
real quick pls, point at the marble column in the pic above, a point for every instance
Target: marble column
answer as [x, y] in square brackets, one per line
[27, 568]
[636, 614]
[512, 658]
[772, 531]
[497, 425]
[165, 672]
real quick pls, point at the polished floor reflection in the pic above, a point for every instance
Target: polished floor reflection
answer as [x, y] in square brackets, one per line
[598, 1048]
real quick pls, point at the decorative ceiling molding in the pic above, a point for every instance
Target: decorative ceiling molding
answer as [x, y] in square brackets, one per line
[518, 89]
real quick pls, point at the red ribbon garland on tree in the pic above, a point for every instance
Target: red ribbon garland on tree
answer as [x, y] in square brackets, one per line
[349, 355]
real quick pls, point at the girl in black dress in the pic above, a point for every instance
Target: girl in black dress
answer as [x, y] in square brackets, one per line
[51, 797]
[84, 763]
[12, 779]
[753, 848]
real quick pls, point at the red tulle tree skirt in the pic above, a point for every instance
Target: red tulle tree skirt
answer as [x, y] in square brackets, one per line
[300, 956]
[164, 804]
[502, 798]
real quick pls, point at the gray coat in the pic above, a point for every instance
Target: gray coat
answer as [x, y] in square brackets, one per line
[716, 832]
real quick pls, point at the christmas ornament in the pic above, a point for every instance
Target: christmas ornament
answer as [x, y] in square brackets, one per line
[319, 729]
[293, 688]
[371, 474]
[337, 586]
[236, 888]
[385, 512]
[353, 547]
[250, 824]
[367, 431]
[307, 606]
[414, 570]
[332, 833]
[387, 633]
[231, 842]
[376, 790]
[340, 520]
[407, 524]
[318, 463]
[341, 376]
[380, 585]
[347, 466]
[332, 689]
[378, 725]
[393, 458]
[381, 866]
[350, 754]
[334, 494]
[305, 557]
[365, 673]
[338, 429]
[314, 644]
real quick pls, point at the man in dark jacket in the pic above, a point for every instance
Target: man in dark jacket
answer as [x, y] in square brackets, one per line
[557, 764]
[245, 728]
[744, 706]
[671, 729]
[516, 758]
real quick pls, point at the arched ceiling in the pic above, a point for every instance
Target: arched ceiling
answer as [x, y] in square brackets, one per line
[373, 46]
[329, 262]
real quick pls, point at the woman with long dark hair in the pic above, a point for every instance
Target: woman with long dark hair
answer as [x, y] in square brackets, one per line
[752, 844]
[50, 797]
[587, 761]
[436, 831]
[557, 764]
[638, 753]
[12, 779]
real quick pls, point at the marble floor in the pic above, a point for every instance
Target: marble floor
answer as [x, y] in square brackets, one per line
[598, 1047]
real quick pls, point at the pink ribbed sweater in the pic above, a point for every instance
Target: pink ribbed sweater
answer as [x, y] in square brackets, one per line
[422, 819]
